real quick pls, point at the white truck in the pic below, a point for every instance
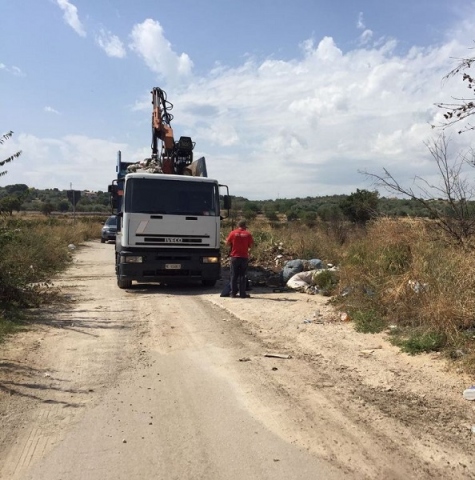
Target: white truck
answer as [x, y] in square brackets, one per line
[168, 211]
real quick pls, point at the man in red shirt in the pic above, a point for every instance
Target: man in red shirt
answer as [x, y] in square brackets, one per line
[240, 241]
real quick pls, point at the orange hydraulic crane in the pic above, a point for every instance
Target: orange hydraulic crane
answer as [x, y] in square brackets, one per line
[175, 156]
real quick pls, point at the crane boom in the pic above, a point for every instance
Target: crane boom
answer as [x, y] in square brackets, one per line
[175, 156]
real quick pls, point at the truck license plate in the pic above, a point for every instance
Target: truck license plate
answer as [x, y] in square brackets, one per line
[172, 266]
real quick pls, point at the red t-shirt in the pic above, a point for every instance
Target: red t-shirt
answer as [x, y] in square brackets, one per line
[241, 240]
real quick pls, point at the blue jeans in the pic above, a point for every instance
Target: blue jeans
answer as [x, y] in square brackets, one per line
[238, 275]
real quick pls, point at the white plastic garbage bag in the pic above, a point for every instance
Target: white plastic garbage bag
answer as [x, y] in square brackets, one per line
[302, 279]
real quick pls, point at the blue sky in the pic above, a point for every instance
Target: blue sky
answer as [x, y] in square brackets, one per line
[284, 99]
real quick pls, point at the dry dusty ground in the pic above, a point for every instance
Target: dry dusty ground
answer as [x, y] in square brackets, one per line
[351, 400]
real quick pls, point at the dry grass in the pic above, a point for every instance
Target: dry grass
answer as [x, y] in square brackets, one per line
[393, 272]
[324, 241]
[33, 250]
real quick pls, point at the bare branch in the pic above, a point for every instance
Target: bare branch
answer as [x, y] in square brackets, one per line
[461, 108]
[455, 216]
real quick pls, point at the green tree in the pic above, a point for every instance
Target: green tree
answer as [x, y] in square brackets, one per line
[292, 215]
[250, 210]
[270, 213]
[63, 205]
[329, 212]
[309, 218]
[249, 214]
[9, 204]
[360, 206]
[3, 139]
[47, 208]
[19, 189]
[253, 206]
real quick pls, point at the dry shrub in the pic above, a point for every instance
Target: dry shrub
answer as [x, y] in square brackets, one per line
[321, 240]
[325, 240]
[35, 249]
[411, 279]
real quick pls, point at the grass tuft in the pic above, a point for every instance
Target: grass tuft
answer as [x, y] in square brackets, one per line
[367, 321]
[420, 342]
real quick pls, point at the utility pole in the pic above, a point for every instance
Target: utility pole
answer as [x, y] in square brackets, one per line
[73, 201]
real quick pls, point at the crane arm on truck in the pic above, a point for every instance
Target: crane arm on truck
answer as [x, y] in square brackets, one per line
[175, 156]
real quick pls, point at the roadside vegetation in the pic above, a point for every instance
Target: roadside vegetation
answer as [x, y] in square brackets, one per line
[34, 249]
[399, 276]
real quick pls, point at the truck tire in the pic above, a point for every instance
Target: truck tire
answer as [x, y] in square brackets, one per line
[124, 283]
[103, 241]
[209, 282]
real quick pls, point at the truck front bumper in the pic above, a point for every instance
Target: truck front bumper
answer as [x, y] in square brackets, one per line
[168, 266]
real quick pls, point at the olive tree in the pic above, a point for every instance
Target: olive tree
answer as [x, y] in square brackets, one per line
[361, 206]
[10, 203]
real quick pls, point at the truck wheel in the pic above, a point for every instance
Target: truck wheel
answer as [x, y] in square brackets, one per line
[208, 283]
[103, 241]
[124, 283]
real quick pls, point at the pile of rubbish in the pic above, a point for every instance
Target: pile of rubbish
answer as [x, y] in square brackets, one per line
[148, 165]
[300, 275]
[152, 165]
[303, 275]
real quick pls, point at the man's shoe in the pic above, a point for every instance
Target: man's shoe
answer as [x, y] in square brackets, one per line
[233, 295]
[246, 296]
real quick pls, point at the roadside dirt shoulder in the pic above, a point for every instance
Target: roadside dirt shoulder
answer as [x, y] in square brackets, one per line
[412, 405]
[71, 354]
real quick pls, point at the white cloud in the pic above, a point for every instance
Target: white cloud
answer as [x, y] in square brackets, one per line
[222, 134]
[13, 70]
[308, 126]
[366, 37]
[70, 15]
[149, 42]
[298, 127]
[367, 34]
[87, 163]
[360, 22]
[51, 110]
[111, 44]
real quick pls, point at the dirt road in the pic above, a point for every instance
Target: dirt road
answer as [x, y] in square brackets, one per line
[173, 383]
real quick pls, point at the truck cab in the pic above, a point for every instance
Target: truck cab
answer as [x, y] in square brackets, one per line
[169, 229]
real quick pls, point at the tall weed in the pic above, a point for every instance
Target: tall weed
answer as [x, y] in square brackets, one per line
[413, 280]
[33, 250]
[392, 272]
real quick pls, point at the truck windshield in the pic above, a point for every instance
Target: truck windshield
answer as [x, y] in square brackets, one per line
[172, 197]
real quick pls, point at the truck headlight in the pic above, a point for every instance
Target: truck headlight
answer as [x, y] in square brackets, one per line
[131, 259]
[210, 260]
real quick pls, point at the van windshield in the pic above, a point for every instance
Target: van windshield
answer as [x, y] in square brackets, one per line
[171, 197]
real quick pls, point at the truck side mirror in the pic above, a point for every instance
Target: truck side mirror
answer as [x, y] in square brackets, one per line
[113, 191]
[227, 202]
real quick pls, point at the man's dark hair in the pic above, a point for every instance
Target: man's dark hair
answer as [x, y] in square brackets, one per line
[242, 224]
